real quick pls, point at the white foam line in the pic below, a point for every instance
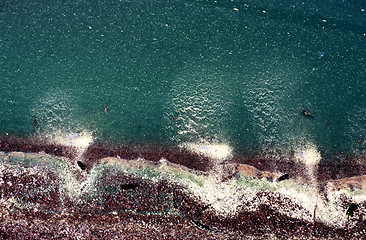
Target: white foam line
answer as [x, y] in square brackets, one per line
[226, 198]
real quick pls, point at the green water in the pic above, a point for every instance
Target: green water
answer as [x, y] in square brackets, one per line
[233, 72]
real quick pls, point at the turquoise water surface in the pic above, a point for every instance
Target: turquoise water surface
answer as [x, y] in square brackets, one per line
[170, 72]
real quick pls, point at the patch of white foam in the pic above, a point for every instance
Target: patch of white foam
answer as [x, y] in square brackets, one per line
[308, 197]
[310, 156]
[80, 140]
[314, 206]
[218, 152]
[224, 197]
[229, 197]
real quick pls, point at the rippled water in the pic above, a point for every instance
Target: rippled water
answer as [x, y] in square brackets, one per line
[215, 77]
[232, 72]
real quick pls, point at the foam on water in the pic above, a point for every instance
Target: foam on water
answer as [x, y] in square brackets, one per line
[228, 197]
[310, 156]
[218, 152]
[314, 204]
[223, 197]
[71, 186]
[246, 85]
[80, 140]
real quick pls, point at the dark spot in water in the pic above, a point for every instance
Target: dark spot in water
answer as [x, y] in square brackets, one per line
[34, 121]
[283, 177]
[128, 186]
[81, 165]
[307, 113]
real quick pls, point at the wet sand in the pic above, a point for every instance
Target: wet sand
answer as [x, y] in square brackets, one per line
[136, 208]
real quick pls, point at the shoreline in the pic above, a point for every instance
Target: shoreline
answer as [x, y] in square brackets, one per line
[340, 166]
[139, 203]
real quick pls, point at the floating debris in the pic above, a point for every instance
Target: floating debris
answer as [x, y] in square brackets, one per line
[307, 113]
[35, 122]
[106, 108]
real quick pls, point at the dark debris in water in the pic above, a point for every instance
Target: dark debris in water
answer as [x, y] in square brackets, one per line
[307, 113]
